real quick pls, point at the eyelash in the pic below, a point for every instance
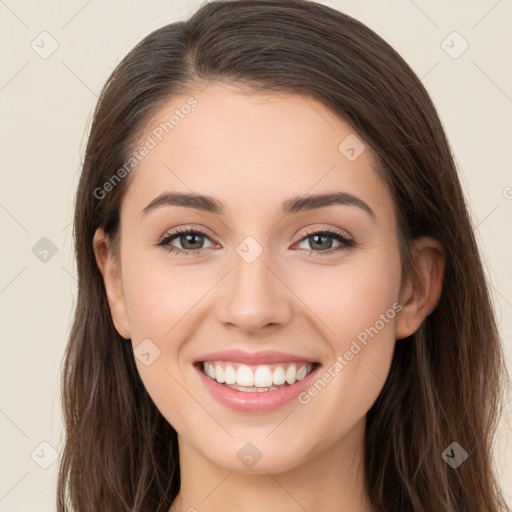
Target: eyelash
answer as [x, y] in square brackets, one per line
[345, 243]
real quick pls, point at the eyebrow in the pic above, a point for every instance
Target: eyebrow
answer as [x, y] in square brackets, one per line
[290, 206]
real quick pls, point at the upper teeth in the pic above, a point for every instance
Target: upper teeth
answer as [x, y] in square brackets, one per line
[259, 376]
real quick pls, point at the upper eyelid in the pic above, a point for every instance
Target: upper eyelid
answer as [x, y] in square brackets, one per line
[185, 230]
[331, 231]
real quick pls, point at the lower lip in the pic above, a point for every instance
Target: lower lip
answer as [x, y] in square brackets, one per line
[256, 401]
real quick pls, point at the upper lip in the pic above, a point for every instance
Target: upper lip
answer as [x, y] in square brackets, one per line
[254, 358]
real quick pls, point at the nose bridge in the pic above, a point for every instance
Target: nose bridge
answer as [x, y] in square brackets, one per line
[254, 297]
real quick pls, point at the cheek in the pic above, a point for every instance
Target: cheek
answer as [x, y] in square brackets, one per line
[160, 303]
[353, 296]
[158, 296]
[357, 305]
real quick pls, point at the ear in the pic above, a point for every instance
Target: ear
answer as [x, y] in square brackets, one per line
[111, 272]
[421, 292]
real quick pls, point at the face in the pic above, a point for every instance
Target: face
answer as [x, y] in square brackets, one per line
[267, 287]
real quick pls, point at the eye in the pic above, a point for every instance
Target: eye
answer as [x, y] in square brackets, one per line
[322, 240]
[189, 239]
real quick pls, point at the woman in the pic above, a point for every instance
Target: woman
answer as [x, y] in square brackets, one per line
[281, 303]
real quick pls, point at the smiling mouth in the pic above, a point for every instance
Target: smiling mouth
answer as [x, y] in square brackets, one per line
[256, 378]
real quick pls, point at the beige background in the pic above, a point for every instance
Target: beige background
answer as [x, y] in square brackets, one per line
[46, 107]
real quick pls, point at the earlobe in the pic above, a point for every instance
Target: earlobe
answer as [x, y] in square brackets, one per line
[423, 290]
[110, 271]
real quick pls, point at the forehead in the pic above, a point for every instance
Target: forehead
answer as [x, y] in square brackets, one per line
[251, 149]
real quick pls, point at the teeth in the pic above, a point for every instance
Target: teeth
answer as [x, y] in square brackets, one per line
[229, 375]
[291, 374]
[279, 376]
[261, 379]
[253, 389]
[244, 376]
[301, 373]
[219, 374]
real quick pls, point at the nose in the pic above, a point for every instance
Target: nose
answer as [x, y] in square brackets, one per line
[255, 298]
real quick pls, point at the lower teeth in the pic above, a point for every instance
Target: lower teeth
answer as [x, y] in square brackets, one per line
[252, 389]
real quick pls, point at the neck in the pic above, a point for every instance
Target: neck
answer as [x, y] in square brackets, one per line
[330, 481]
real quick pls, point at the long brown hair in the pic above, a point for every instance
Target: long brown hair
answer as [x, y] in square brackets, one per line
[446, 380]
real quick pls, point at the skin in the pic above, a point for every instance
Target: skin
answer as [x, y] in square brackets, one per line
[262, 150]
